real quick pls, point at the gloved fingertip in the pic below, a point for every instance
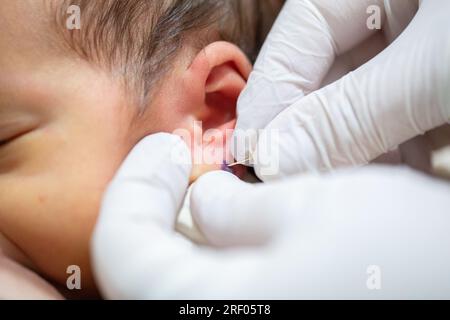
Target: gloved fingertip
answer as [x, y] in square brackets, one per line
[179, 150]
[242, 144]
[213, 187]
[285, 149]
[161, 150]
[159, 142]
[267, 162]
[213, 182]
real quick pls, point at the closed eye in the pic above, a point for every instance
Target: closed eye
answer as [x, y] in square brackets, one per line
[7, 141]
[12, 136]
[4, 142]
[15, 125]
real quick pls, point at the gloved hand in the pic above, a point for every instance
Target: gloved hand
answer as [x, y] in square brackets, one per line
[399, 94]
[268, 241]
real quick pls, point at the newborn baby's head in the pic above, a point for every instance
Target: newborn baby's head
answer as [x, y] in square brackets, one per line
[74, 102]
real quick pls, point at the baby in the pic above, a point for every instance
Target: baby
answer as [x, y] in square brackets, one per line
[73, 103]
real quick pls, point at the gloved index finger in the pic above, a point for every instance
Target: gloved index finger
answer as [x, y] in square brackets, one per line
[297, 55]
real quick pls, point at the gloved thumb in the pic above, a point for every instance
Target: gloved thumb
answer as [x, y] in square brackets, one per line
[232, 212]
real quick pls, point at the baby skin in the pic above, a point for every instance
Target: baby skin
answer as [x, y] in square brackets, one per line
[67, 125]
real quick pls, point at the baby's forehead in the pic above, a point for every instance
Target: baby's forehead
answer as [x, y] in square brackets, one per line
[27, 25]
[27, 14]
[37, 70]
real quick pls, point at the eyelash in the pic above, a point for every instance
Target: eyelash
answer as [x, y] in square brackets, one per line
[4, 142]
[7, 141]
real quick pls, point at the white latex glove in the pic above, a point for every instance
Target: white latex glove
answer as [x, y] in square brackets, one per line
[399, 94]
[316, 242]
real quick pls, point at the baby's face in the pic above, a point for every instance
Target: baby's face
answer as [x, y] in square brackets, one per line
[64, 130]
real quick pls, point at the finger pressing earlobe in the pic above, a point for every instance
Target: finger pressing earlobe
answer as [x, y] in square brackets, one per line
[232, 212]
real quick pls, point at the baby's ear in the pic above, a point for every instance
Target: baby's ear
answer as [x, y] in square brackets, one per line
[215, 79]
[212, 85]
